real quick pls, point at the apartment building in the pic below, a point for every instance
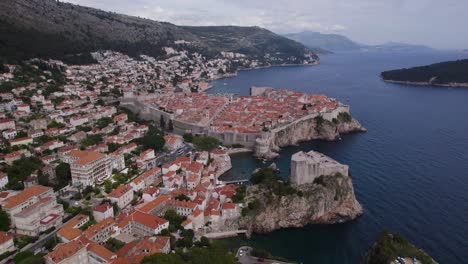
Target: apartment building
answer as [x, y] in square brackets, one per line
[34, 210]
[88, 168]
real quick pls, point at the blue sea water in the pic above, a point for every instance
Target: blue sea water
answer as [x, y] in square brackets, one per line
[410, 171]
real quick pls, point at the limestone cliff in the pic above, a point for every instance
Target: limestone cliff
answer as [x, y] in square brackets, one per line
[303, 130]
[330, 199]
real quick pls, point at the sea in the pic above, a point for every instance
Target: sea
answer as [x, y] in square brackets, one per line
[410, 170]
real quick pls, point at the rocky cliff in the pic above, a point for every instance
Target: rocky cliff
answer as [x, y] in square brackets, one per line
[329, 200]
[303, 130]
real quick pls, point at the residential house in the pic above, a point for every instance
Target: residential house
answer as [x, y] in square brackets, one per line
[122, 196]
[103, 211]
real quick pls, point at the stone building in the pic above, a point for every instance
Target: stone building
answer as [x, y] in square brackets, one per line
[306, 167]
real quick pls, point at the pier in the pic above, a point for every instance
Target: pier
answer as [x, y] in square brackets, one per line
[238, 182]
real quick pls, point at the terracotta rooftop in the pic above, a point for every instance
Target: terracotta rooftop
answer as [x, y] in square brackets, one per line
[85, 157]
[102, 207]
[64, 251]
[4, 237]
[120, 191]
[23, 196]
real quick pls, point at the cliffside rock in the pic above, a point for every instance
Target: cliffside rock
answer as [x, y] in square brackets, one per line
[330, 199]
[303, 130]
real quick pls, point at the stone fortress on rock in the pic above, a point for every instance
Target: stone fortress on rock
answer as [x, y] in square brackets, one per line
[306, 167]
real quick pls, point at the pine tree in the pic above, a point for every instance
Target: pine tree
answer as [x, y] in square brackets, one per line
[162, 122]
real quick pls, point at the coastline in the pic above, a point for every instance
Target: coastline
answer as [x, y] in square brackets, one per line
[449, 85]
[232, 75]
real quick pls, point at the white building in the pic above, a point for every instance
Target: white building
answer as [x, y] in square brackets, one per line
[122, 196]
[34, 210]
[6, 242]
[88, 168]
[103, 211]
[3, 180]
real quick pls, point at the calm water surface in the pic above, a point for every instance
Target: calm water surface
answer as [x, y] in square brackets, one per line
[410, 171]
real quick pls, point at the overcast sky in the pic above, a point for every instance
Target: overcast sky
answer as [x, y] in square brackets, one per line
[437, 23]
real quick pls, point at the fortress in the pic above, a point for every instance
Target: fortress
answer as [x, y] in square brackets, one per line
[306, 167]
[264, 121]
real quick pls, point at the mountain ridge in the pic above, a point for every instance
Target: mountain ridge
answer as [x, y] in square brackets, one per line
[337, 42]
[58, 29]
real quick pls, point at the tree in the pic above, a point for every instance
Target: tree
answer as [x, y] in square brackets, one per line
[170, 126]
[55, 124]
[206, 143]
[182, 197]
[188, 137]
[153, 139]
[20, 170]
[162, 122]
[63, 173]
[107, 186]
[173, 218]
[4, 221]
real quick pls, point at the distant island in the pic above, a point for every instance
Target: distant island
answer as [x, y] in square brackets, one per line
[450, 74]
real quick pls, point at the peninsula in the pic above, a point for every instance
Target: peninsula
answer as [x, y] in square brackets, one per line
[448, 74]
[264, 121]
[319, 190]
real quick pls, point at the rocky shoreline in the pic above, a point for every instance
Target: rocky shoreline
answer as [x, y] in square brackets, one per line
[302, 131]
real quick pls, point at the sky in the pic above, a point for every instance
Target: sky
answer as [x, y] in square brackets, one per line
[440, 24]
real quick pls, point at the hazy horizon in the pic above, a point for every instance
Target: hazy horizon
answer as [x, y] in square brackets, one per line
[438, 24]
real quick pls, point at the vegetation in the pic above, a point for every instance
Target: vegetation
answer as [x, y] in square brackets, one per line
[188, 137]
[24, 240]
[214, 253]
[4, 221]
[63, 174]
[114, 244]
[153, 139]
[51, 243]
[103, 122]
[28, 257]
[239, 196]
[27, 73]
[91, 140]
[20, 170]
[345, 117]
[174, 219]
[319, 120]
[6, 255]
[443, 73]
[269, 179]
[68, 32]
[182, 197]
[206, 143]
[390, 246]
[55, 124]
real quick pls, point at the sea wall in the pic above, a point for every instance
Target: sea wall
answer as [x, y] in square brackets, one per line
[264, 144]
[305, 129]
